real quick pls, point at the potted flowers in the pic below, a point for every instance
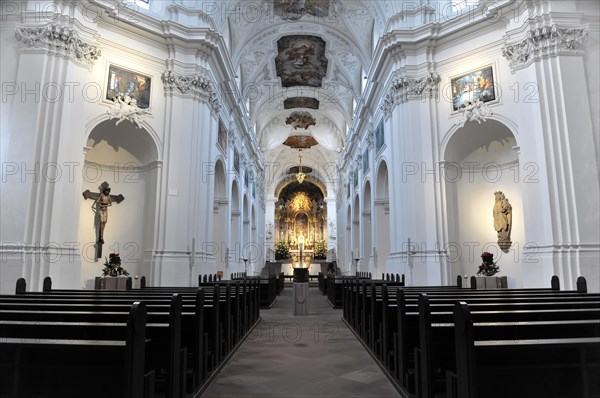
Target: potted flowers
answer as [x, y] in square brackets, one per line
[112, 266]
[488, 267]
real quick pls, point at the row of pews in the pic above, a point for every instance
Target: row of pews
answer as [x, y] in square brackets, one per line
[333, 286]
[139, 343]
[450, 341]
[270, 287]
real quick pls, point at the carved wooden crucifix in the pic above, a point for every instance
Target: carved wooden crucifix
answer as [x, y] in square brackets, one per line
[102, 200]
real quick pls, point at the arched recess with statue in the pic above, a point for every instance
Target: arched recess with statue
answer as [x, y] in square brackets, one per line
[348, 252]
[219, 225]
[301, 223]
[245, 246]
[356, 254]
[367, 248]
[254, 251]
[127, 159]
[484, 200]
[382, 219]
[233, 252]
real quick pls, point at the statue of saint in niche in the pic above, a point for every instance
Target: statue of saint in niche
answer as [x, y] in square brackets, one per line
[502, 220]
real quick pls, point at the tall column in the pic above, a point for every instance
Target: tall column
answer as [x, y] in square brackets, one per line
[561, 211]
[188, 187]
[45, 101]
[410, 107]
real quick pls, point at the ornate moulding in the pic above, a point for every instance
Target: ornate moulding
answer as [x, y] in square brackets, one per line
[406, 88]
[544, 42]
[201, 87]
[59, 40]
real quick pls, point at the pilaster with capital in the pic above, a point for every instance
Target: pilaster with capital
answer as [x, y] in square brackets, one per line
[404, 88]
[555, 57]
[200, 86]
[59, 40]
[543, 42]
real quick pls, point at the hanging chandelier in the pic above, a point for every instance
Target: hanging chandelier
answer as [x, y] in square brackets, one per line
[300, 175]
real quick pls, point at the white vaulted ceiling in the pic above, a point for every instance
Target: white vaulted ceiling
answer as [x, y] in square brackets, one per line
[347, 34]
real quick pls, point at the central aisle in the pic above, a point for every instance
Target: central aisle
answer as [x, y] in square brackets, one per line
[301, 356]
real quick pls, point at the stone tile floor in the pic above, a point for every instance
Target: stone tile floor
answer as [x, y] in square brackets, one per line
[290, 356]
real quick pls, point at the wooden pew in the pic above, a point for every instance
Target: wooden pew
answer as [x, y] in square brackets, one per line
[209, 350]
[435, 354]
[535, 360]
[205, 344]
[392, 341]
[164, 330]
[58, 359]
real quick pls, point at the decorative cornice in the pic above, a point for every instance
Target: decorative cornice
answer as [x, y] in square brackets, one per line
[201, 87]
[543, 42]
[231, 139]
[59, 40]
[371, 139]
[406, 88]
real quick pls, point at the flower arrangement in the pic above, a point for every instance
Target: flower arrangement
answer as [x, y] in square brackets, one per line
[282, 251]
[488, 267]
[112, 266]
[320, 249]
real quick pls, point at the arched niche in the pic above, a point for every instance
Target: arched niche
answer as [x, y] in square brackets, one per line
[301, 215]
[367, 250]
[382, 219]
[356, 232]
[348, 249]
[235, 243]
[479, 160]
[127, 159]
[245, 250]
[255, 252]
[219, 225]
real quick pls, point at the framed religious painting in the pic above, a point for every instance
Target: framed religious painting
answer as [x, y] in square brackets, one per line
[236, 160]
[365, 161]
[379, 137]
[128, 83]
[477, 85]
[222, 136]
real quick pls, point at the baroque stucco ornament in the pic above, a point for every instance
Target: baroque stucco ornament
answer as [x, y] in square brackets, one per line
[201, 87]
[60, 40]
[543, 42]
[406, 88]
[477, 111]
[125, 108]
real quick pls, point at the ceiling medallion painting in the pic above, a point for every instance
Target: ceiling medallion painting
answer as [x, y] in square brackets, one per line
[300, 141]
[302, 120]
[295, 9]
[301, 102]
[301, 61]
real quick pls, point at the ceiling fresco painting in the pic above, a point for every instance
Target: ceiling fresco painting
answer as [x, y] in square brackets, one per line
[300, 141]
[301, 120]
[292, 10]
[301, 102]
[301, 61]
[296, 170]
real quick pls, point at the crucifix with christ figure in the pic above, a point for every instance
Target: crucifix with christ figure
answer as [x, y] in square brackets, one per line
[102, 200]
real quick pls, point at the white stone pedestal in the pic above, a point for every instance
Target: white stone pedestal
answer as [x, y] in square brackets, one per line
[300, 299]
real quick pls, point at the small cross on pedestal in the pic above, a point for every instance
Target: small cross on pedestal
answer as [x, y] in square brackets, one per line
[102, 200]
